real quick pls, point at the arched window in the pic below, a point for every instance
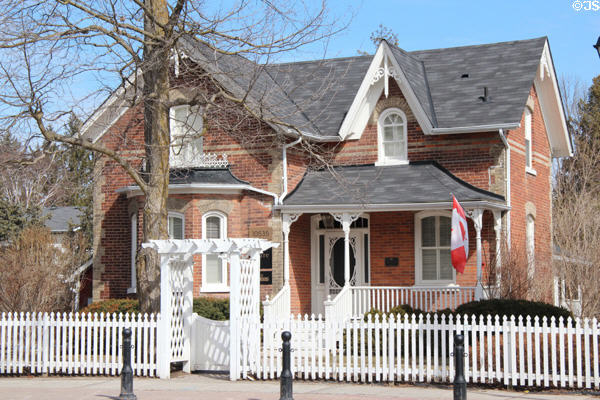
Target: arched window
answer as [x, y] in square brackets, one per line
[530, 243]
[214, 269]
[186, 124]
[176, 226]
[528, 141]
[432, 248]
[392, 144]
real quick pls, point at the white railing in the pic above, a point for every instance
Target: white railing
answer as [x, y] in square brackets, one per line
[340, 307]
[75, 344]
[278, 308]
[428, 299]
[526, 352]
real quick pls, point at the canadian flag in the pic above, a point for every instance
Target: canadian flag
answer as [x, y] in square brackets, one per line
[459, 239]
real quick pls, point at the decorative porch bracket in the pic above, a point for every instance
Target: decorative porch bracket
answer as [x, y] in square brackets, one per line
[286, 222]
[346, 219]
[476, 215]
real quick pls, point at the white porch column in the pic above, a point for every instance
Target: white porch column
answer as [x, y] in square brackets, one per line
[346, 219]
[286, 222]
[476, 216]
[498, 231]
[163, 329]
[234, 315]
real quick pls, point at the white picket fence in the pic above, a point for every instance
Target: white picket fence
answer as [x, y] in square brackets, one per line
[75, 344]
[516, 351]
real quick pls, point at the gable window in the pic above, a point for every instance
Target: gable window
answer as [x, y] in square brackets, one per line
[528, 143]
[214, 269]
[432, 248]
[176, 226]
[530, 243]
[392, 146]
[186, 125]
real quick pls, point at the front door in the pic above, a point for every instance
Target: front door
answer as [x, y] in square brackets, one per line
[328, 273]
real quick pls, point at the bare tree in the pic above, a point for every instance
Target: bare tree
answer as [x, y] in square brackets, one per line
[576, 205]
[49, 46]
[38, 272]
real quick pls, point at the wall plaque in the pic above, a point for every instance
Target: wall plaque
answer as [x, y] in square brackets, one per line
[260, 232]
[391, 261]
[266, 277]
[266, 259]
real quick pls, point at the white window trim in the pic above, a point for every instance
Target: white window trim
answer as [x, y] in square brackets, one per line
[208, 287]
[381, 159]
[418, 259]
[174, 214]
[528, 122]
[183, 158]
[134, 221]
[530, 244]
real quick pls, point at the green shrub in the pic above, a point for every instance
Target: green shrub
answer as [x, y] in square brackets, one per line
[216, 309]
[113, 306]
[502, 307]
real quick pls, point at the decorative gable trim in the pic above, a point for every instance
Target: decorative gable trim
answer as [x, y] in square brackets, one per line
[383, 65]
[546, 86]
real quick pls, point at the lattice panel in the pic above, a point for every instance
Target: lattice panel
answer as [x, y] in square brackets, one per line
[177, 284]
[249, 288]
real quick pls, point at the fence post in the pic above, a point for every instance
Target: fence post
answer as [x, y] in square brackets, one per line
[286, 373]
[460, 385]
[163, 327]
[127, 372]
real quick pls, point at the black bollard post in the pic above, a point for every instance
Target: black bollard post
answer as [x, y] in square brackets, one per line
[460, 385]
[127, 372]
[286, 373]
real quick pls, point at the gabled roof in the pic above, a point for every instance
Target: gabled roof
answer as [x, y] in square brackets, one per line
[62, 219]
[417, 185]
[331, 100]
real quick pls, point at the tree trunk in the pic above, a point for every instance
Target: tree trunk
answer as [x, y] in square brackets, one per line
[155, 71]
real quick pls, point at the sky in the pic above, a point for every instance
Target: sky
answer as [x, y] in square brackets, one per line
[429, 24]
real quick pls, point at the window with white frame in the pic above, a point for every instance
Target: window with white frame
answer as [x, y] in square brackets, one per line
[432, 248]
[392, 143]
[530, 243]
[214, 269]
[528, 141]
[176, 226]
[186, 125]
[134, 221]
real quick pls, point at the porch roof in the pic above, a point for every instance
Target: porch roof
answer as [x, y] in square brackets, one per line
[414, 186]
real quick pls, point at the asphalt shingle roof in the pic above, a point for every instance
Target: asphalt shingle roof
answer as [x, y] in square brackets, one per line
[221, 176]
[62, 219]
[314, 96]
[419, 182]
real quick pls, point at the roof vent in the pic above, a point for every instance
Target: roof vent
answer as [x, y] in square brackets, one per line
[464, 76]
[485, 98]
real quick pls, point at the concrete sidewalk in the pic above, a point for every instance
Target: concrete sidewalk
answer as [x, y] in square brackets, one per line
[201, 386]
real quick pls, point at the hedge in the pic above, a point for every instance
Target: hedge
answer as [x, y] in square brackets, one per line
[500, 307]
[113, 306]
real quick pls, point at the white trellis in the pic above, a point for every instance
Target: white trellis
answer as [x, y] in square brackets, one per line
[176, 285]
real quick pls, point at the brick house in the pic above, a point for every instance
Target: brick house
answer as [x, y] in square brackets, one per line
[400, 130]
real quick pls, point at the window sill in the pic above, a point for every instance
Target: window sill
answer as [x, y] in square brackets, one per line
[214, 289]
[391, 162]
[531, 171]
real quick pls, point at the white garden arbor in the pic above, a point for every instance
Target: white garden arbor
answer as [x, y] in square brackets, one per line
[176, 285]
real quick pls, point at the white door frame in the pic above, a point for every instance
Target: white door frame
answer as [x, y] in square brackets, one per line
[318, 289]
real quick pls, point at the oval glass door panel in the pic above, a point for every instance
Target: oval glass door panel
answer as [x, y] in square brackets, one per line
[337, 262]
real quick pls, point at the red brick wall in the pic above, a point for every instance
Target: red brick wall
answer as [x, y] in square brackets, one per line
[532, 189]
[300, 283]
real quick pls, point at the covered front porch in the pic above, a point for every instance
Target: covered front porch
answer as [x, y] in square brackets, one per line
[377, 237]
